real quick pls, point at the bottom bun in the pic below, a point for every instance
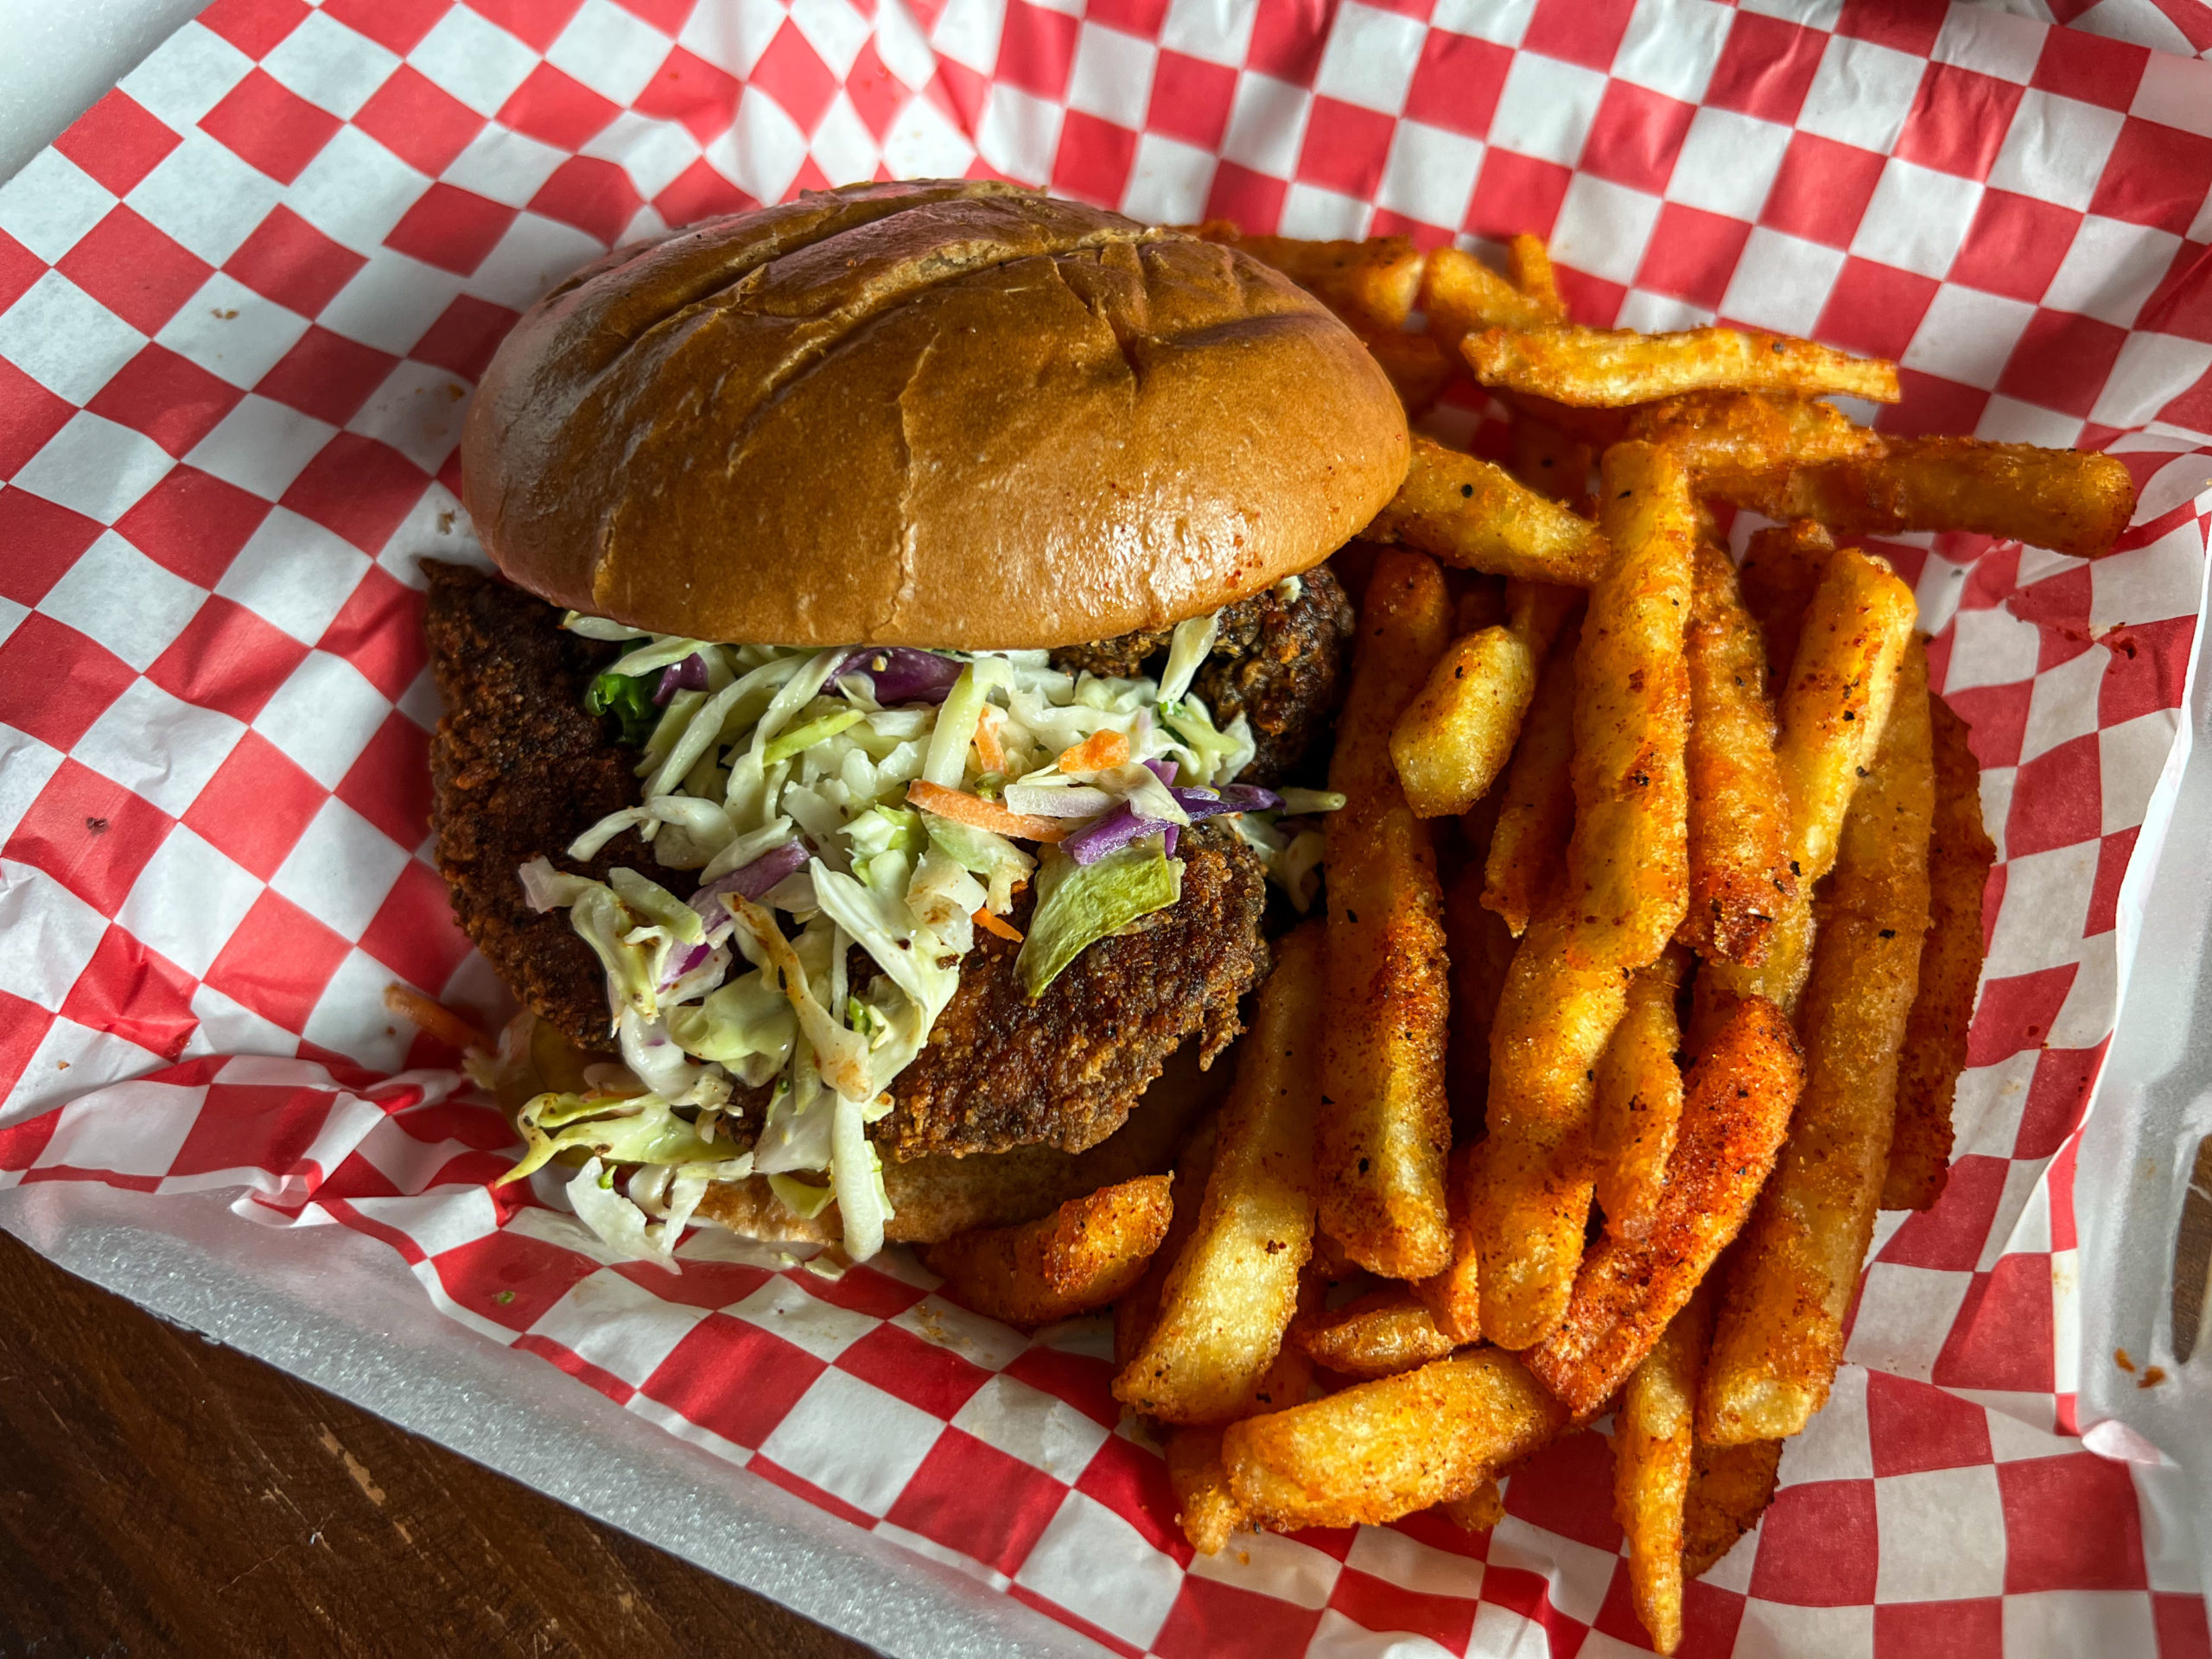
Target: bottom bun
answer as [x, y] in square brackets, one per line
[934, 1197]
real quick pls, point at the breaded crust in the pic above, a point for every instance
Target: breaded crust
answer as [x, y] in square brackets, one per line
[521, 769]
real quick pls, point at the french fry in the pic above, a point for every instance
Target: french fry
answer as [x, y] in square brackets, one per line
[1627, 865]
[1736, 1108]
[1526, 856]
[1137, 1309]
[1453, 1297]
[1472, 514]
[1232, 1291]
[1081, 1257]
[2065, 499]
[1551, 463]
[1380, 1334]
[1205, 1509]
[1652, 1459]
[1835, 707]
[1730, 1489]
[1738, 816]
[1383, 1449]
[1480, 1511]
[1639, 1107]
[1379, 1152]
[1959, 857]
[1480, 947]
[1373, 283]
[1782, 567]
[1530, 263]
[1414, 363]
[1778, 1331]
[1613, 368]
[1455, 736]
[1462, 295]
[1531, 1180]
[1739, 434]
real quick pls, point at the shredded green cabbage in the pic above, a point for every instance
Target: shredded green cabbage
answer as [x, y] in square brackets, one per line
[1079, 904]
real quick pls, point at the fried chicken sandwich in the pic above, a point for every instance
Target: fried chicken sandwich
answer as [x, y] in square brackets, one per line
[910, 634]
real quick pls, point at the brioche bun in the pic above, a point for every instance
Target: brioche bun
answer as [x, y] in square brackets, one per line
[951, 414]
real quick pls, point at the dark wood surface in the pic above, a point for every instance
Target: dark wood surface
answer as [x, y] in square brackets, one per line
[160, 1494]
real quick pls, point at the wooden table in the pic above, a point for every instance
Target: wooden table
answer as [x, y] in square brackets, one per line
[160, 1493]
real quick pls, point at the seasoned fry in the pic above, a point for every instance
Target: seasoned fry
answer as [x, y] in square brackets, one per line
[1374, 283]
[1730, 1489]
[1481, 950]
[1736, 1108]
[1138, 1307]
[1380, 1334]
[1782, 567]
[1732, 435]
[1415, 365]
[1527, 857]
[1233, 1290]
[1080, 1256]
[1206, 1509]
[1778, 1333]
[1738, 816]
[1479, 1511]
[1959, 857]
[1471, 513]
[1379, 1153]
[1627, 866]
[1615, 367]
[1454, 738]
[1530, 263]
[2064, 499]
[1453, 1297]
[1834, 708]
[1652, 1459]
[1462, 295]
[1551, 463]
[1639, 1098]
[1531, 1178]
[1386, 1448]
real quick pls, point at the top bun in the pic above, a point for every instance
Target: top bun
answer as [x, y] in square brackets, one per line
[951, 414]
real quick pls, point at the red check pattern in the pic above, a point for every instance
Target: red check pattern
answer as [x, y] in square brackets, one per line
[242, 304]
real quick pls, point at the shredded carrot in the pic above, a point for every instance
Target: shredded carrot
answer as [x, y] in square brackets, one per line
[997, 924]
[989, 749]
[439, 1021]
[1096, 753]
[959, 806]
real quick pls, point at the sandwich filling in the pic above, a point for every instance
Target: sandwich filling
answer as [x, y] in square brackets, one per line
[833, 834]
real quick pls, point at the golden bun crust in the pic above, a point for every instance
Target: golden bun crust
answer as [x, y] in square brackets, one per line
[950, 414]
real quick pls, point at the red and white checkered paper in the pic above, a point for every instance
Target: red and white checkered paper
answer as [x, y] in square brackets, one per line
[242, 302]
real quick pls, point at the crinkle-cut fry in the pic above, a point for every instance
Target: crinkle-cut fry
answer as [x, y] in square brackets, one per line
[1736, 1108]
[1639, 1098]
[1738, 816]
[1453, 1297]
[1532, 1178]
[1385, 1125]
[1479, 1510]
[1959, 857]
[1528, 851]
[1615, 367]
[1462, 295]
[1373, 283]
[1782, 567]
[1730, 1489]
[1233, 1290]
[1530, 263]
[1627, 862]
[1081, 1257]
[1473, 514]
[1551, 463]
[1205, 1509]
[1138, 1308]
[1833, 709]
[1455, 736]
[2069, 500]
[1734, 435]
[1653, 1453]
[1415, 365]
[1383, 1449]
[1778, 1333]
[1380, 1334]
